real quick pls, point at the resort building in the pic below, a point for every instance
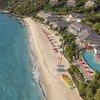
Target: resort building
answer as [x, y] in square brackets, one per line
[97, 54]
[48, 16]
[97, 50]
[60, 24]
[84, 34]
[53, 2]
[89, 3]
[76, 27]
[71, 3]
[52, 18]
[75, 17]
[92, 39]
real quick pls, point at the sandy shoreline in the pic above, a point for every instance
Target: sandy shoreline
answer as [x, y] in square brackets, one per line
[52, 82]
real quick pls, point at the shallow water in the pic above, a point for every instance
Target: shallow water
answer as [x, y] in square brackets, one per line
[16, 79]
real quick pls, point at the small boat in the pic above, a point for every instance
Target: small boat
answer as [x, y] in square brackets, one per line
[68, 81]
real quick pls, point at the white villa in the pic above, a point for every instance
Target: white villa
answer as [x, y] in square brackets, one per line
[89, 3]
[71, 3]
[53, 2]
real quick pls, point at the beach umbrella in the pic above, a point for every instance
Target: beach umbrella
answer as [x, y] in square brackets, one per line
[81, 62]
[98, 56]
[52, 43]
[46, 34]
[42, 29]
[54, 46]
[80, 59]
[90, 71]
[55, 49]
[85, 66]
[50, 39]
[58, 60]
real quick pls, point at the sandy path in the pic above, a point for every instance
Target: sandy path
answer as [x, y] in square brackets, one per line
[55, 88]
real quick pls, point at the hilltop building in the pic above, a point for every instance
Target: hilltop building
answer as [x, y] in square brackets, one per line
[71, 3]
[89, 3]
[53, 2]
[48, 16]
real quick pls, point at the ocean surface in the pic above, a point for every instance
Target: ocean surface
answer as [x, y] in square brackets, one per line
[16, 78]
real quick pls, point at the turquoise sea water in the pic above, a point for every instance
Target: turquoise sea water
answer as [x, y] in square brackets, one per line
[89, 58]
[16, 79]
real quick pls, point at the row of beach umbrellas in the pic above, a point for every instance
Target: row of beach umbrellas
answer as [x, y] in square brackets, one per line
[50, 39]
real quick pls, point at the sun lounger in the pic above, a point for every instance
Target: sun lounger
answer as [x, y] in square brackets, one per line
[60, 70]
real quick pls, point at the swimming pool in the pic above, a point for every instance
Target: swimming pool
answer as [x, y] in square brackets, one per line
[90, 60]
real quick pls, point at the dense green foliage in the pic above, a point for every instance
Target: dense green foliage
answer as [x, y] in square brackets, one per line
[27, 7]
[93, 19]
[69, 45]
[90, 91]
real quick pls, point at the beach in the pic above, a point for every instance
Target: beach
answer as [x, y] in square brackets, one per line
[54, 85]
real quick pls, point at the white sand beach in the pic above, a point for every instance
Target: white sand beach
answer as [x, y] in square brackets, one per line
[54, 85]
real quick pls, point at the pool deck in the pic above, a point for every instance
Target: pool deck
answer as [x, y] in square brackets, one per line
[87, 76]
[87, 64]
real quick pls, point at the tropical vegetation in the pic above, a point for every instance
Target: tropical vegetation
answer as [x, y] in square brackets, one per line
[88, 91]
[68, 45]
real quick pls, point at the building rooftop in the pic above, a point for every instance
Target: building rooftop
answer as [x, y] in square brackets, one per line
[94, 38]
[97, 47]
[71, 2]
[80, 26]
[77, 15]
[53, 2]
[60, 23]
[89, 34]
[53, 18]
